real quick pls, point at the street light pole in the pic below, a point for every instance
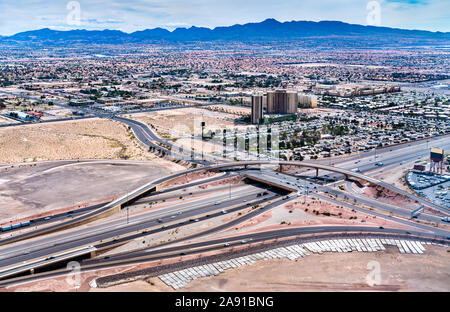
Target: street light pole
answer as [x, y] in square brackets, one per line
[128, 209]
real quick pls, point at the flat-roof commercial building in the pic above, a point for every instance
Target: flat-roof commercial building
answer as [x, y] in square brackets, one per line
[307, 101]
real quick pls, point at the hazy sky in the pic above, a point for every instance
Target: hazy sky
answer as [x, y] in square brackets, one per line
[131, 15]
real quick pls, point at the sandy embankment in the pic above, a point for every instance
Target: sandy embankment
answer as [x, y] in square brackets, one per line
[80, 139]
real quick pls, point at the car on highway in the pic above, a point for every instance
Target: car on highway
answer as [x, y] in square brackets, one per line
[224, 211]
[243, 241]
[226, 245]
[379, 164]
[196, 220]
[217, 203]
[160, 220]
[446, 219]
[356, 170]
[47, 218]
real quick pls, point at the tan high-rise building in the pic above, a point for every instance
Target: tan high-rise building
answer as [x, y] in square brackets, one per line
[257, 108]
[270, 107]
[282, 102]
[291, 102]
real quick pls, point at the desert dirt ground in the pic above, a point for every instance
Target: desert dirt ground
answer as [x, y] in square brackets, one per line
[81, 139]
[307, 212]
[29, 190]
[326, 272]
[185, 121]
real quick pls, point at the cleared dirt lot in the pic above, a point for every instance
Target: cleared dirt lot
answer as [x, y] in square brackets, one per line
[180, 122]
[326, 272]
[338, 272]
[29, 190]
[81, 139]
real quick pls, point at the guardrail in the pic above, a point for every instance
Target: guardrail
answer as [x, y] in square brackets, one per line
[24, 267]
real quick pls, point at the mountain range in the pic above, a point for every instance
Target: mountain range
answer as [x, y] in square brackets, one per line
[268, 30]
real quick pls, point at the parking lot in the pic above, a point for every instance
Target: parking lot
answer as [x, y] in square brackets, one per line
[431, 186]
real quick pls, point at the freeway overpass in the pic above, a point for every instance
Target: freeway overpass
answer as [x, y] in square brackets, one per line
[153, 186]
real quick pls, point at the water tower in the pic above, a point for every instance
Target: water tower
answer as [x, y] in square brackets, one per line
[436, 160]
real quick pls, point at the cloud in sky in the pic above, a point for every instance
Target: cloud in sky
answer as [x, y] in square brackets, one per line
[131, 15]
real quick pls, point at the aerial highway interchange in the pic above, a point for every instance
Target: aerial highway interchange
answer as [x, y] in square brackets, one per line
[50, 243]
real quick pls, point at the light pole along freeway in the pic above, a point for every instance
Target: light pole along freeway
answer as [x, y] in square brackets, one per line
[219, 244]
[60, 241]
[152, 186]
[96, 237]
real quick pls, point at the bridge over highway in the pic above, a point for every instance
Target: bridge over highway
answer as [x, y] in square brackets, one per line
[116, 205]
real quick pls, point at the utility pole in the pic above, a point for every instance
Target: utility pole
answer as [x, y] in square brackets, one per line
[203, 128]
[128, 209]
[306, 194]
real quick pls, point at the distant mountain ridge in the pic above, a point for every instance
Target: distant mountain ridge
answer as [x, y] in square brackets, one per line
[268, 30]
